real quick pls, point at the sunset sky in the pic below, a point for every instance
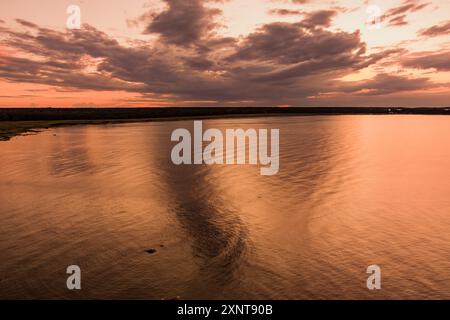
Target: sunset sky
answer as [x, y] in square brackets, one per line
[225, 52]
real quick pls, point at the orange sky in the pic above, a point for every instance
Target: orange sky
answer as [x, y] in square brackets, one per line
[219, 52]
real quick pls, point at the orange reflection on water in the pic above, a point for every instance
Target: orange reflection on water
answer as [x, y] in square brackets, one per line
[352, 191]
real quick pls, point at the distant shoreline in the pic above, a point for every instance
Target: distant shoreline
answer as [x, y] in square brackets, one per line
[20, 121]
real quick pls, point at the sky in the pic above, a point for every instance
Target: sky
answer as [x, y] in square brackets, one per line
[144, 53]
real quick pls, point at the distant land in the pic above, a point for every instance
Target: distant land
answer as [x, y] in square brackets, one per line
[16, 121]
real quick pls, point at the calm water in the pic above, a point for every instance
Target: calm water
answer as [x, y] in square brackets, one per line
[352, 191]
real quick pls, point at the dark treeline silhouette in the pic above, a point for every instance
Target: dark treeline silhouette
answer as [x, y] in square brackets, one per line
[50, 114]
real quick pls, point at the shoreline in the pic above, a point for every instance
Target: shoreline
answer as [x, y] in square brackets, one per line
[11, 129]
[24, 121]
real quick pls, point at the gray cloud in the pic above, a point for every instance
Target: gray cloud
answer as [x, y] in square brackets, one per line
[397, 15]
[428, 60]
[437, 30]
[384, 84]
[184, 22]
[277, 63]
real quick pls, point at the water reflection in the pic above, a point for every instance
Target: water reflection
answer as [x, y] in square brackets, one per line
[217, 235]
[70, 154]
[351, 191]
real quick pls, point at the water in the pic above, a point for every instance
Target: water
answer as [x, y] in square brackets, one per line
[352, 191]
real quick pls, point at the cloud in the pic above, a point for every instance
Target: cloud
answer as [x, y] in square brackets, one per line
[183, 22]
[437, 30]
[63, 58]
[321, 18]
[397, 16]
[278, 63]
[398, 21]
[26, 23]
[384, 84]
[292, 43]
[285, 12]
[428, 60]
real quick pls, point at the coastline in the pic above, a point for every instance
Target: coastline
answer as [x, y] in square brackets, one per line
[24, 121]
[10, 129]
